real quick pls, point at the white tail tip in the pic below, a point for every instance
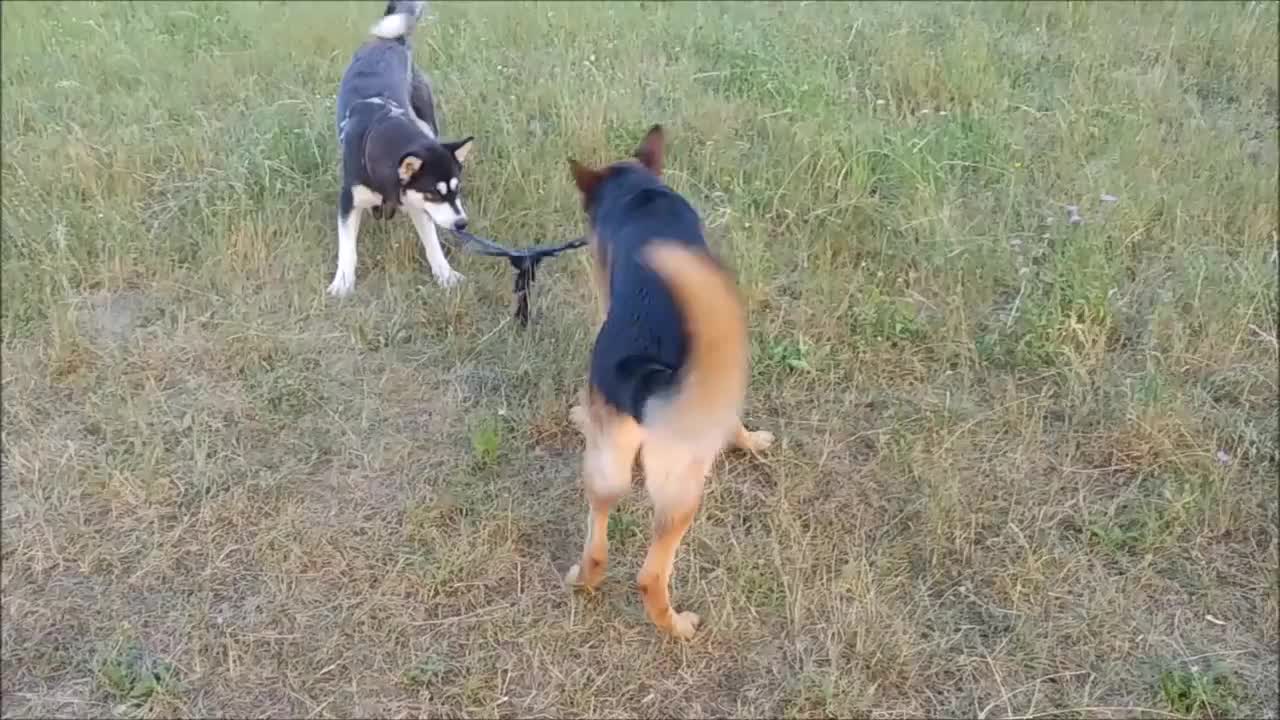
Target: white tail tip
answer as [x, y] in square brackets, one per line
[391, 27]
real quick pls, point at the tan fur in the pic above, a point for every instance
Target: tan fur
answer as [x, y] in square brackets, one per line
[713, 382]
[756, 441]
[683, 431]
[674, 476]
[652, 150]
[408, 167]
[612, 441]
[679, 444]
[584, 177]
[462, 151]
[600, 278]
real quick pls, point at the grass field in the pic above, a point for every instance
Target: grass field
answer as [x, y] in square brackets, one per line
[1026, 465]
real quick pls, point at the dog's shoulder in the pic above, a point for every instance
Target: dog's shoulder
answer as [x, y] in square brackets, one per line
[631, 206]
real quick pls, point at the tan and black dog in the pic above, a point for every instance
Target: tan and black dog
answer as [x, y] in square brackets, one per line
[669, 368]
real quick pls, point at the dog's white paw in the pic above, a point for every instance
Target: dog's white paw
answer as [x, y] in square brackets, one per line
[342, 285]
[589, 580]
[449, 278]
[685, 624]
[759, 440]
[571, 578]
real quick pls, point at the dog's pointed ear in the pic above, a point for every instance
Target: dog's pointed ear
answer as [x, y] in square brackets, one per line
[460, 148]
[586, 178]
[651, 150]
[409, 165]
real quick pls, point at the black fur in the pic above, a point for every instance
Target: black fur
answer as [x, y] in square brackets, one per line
[390, 147]
[644, 341]
[380, 95]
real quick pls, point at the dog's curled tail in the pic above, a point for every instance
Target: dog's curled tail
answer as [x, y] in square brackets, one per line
[707, 398]
[400, 18]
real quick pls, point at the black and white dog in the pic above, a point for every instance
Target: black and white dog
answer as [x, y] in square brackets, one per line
[391, 153]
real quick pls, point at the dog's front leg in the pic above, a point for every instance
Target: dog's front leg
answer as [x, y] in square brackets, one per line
[445, 275]
[349, 216]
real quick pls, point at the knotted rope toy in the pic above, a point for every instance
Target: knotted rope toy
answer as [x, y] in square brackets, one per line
[524, 260]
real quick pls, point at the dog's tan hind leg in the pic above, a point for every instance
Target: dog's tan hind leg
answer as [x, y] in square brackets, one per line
[755, 441]
[612, 441]
[674, 478]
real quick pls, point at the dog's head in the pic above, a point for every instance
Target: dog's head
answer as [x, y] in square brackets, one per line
[647, 159]
[431, 180]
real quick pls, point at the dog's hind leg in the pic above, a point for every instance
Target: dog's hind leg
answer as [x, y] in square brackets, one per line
[674, 476]
[422, 103]
[612, 442]
[755, 441]
[445, 275]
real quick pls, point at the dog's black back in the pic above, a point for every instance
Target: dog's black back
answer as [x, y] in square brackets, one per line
[380, 69]
[643, 342]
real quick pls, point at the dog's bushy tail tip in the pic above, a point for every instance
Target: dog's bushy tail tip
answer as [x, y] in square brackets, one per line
[400, 18]
[713, 382]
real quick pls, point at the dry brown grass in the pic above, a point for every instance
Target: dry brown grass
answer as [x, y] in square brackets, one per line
[1024, 468]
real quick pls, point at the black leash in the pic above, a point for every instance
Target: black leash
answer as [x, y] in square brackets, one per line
[524, 260]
